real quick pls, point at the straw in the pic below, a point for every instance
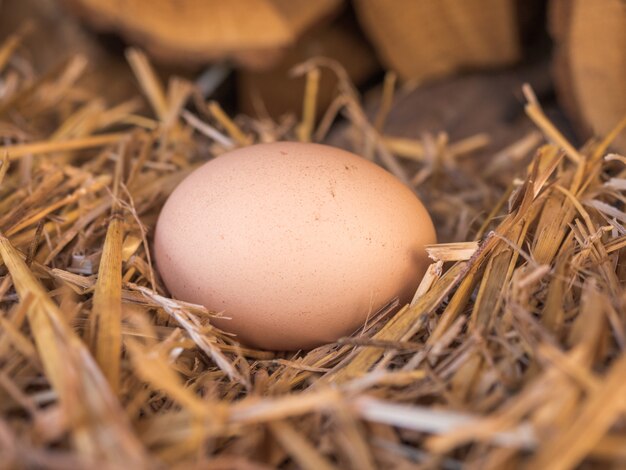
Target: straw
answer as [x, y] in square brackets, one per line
[511, 353]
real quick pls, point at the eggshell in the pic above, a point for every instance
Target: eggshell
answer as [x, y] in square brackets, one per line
[296, 243]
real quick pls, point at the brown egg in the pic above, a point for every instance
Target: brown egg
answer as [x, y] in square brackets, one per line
[297, 244]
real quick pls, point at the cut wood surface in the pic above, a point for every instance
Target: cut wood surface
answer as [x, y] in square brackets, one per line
[590, 62]
[422, 39]
[251, 32]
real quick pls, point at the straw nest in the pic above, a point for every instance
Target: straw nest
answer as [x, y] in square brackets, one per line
[511, 354]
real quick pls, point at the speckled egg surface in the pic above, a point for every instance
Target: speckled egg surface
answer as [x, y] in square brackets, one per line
[297, 244]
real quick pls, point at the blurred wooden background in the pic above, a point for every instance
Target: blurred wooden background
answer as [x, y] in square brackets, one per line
[478, 51]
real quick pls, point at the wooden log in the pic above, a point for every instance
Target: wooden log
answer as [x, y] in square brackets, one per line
[590, 63]
[251, 32]
[422, 39]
